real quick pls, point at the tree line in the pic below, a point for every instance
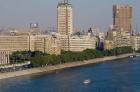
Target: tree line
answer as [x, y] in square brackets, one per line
[38, 58]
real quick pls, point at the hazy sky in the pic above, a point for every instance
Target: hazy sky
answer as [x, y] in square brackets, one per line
[87, 13]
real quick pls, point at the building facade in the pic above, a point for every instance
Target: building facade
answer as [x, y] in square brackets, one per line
[48, 44]
[122, 39]
[64, 18]
[78, 43]
[136, 42]
[17, 43]
[44, 43]
[109, 44]
[4, 57]
[122, 22]
[122, 17]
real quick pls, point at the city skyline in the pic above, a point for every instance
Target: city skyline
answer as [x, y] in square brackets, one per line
[86, 14]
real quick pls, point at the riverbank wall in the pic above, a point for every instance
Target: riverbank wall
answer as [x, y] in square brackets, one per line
[48, 69]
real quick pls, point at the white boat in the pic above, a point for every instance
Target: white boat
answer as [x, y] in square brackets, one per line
[131, 56]
[86, 81]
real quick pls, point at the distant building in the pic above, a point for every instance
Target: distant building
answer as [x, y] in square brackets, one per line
[47, 44]
[136, 42]
[122, 17]
[64, 18]
[111, 34]
[122, 21]
[95, 31]
[17, 43]
[78, 42]
[102, 36]
[4, 56]
[34, 29]
[108, 44]
[65, 42]
[122, 39]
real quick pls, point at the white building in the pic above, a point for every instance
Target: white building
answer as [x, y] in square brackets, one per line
[102, 36]
[78, 42]
[136, 42]
[4, 56]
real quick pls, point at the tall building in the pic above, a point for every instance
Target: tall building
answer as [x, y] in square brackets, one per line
[122, 22]
[64, 18]
[122, 17]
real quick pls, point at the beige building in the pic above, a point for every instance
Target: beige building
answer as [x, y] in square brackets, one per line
[16, 43]
[64, 18]
[64, 42]
[78, 42]
[47, 43]
[136, 42]
[4, 56]
[109, 44]
[123, 38]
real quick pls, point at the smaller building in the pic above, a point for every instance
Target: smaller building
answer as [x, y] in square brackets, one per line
[108, 44]
[102, 36]
[48, 44]
[123, 38]
[135, 42]
[4, 56]
[78, 42]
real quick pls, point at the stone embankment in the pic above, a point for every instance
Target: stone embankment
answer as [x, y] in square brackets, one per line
[60, 66]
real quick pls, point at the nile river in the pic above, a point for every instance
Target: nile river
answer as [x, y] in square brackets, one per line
[115, 76]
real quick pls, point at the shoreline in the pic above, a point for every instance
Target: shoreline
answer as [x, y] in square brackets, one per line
[48, 69]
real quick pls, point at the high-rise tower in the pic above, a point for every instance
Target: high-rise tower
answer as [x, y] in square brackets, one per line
[122, 17]
[122, 21]
[64, 18]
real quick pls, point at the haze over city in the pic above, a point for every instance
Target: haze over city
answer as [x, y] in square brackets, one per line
[87, 13]
[69, 46]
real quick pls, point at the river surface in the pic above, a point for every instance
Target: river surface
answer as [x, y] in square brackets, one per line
[114, 76]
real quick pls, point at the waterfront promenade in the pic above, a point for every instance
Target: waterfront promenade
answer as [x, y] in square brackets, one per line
[48, 69]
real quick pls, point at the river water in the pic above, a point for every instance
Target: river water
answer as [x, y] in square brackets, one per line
[114, 76]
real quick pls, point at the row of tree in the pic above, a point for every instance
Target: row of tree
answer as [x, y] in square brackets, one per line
[68, 56]
[42, 59]
[65, 57]
[138, 51]
[118, 51]
[21, 56]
